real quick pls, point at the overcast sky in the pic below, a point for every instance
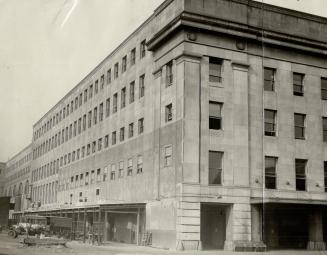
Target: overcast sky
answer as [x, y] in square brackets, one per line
[48, 46]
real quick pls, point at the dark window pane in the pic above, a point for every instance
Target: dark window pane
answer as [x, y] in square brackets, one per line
[215, 167]
[215, 123]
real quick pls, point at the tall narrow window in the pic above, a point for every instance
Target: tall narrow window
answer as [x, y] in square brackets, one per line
[215, 167]
[133, 54]
[98, 174]
[79, 125]
[88, 149]
[298, 84]
[95, 115]
[99, 144]
[80, 99]
[116, 71]
[323, 88]
[106, 141]
[215, 68]
[142, 49]
[122, 134]
[94, 144]
[85, 95]
[91, 91]
[324, 129]
[325, 175]
[130, 130]
[168, 112]
[141, 86]
[107, 107]
[113, 138]
[124, 64]
[141, 125]
[168, 151]
[299, 126]
[123, 98]
[139, 164]
[215, 119]
[121, 169]
[169, 73]
[109, 76]
[300, 174]
[114, 103]
[270, 172]
[270, 122]
[102, 82]
[130, 167]
[269, 79]
[132, 92]
[84, 122]
[96, 87]
[113, 172]
[101, 112]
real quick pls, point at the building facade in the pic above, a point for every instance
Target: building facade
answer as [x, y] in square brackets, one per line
[17, 180]
[206, 127]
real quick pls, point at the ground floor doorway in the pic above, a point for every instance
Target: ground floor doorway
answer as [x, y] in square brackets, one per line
[213, 226]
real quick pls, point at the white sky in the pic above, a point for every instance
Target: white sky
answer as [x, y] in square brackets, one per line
[48, 46]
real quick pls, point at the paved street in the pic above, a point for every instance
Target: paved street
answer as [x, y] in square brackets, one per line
[9, 246]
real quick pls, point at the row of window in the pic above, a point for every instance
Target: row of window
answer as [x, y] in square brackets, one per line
[86, 120]
[216, 169]
[300, 173]
[94, 176]
[97, 145]
[20, 162]
[45, 171]
[19, 174]
[270, 121]
[298, 83]
[88, 92]
[45, 193]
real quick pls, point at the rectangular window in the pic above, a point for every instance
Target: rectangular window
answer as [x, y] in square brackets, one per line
[101, 112]
[269, 79]
[130, 167]
[132, 92]
[270, 172]
[130, 130]
[121, 169]
[141, 125]
[78, 154]
[105, 171]
[325, 175]
[215, 119]
[124, 64]
[215, 70]
[324, 129]
[141, 86]
[84, 122]
[116, 70]
[298, 84]
[98, 175]
[80, 100]
[90, 119]
[88, 149]
[96, 87]
[97, 192]
[139, 164]
[133, 54]
[169, 113]
[113, 172]
[169, 74]
[122, 134]
[106, 141]
[300, 169]
[109, 76]
[83, 152]
[123, 98]
[76, 102]
[100, 144]
[92, 176]
[142, 49]
[64, 114]
[114, 103]
[94, 144]
[102, 82]
[95, 115]
[87, 177]
[85, 95]
[324, 88]
[299, 126]
[75, 128]
[215, 167]
[270, 122]
[79, 125]
[113, 138]
[168, 155]
[91, 91]
[107, 107]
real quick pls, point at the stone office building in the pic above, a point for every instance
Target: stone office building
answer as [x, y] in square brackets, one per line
[207, 127]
